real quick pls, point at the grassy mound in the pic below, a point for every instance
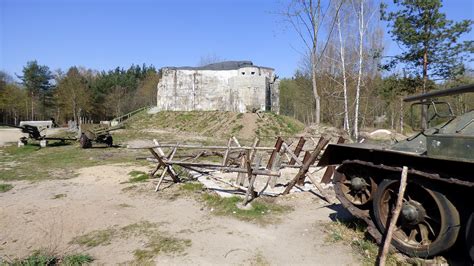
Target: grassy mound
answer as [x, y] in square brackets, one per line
[218, 124]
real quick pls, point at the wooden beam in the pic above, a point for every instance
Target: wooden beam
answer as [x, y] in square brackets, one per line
[383, 250]
[304, 168]
[275, 151]
[298, 149]
[331, 168]
[226, 154]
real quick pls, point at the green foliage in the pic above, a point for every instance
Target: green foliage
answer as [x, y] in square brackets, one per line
[76, 259]
[428, 38]
[138, 176]
[12, 100]
[37, 258]
[73, 94]
[296, 97]
[40, 258]
[192, 186]
[5, 187]
[37, 81]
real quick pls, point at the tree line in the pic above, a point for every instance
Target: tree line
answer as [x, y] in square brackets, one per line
[43, 94]
[347, 80]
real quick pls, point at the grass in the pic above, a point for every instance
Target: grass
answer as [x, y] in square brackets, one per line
[58, 196]
[5, 187]
[44, 258]
[259, 260]
[95, 238]
[157, 241]
[77, 259]
[214, 124]
[138, 176]
[261, 210]
[158, 244]
[354, 233]
[58, 162]
[192, 186]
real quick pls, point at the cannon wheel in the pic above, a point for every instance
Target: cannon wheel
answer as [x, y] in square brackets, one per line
[470, 237]
[85, 142]
[109, 141]
[428, 223]
[355, 185]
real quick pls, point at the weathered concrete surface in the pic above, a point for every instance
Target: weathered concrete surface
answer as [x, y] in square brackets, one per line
[236, 86]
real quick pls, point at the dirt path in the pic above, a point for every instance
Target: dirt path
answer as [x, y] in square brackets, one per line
[48, 215]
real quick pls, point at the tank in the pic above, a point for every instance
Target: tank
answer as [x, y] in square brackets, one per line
[438, 206]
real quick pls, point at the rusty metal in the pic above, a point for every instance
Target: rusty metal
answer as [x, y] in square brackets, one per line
[96, 133]
[436, 177]
[439, 160]
[330, 168]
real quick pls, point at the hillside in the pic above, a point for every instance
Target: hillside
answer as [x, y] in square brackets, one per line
[216, 124]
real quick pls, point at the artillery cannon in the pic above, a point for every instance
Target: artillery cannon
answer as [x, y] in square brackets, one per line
[35, 133]
[438, 206]
[98, 133]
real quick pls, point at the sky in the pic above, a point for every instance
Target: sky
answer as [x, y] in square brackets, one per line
[105, 34]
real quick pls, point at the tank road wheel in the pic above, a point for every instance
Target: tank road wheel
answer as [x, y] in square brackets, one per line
[428, 223]
[357, 188]
[85, 142]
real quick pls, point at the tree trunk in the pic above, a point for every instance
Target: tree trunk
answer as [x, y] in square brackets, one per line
[401, 115]
[344, 78]
[361, 36]
[32, 106]
[424, 108]
[315, 23]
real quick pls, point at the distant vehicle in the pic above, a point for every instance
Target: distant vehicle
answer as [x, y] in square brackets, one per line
[438, 206]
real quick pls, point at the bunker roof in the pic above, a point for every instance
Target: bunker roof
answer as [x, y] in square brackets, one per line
[225, 65]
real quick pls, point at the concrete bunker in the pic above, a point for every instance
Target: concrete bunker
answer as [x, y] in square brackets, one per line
[237, 86]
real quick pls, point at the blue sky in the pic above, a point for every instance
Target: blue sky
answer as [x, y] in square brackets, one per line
[104, 34]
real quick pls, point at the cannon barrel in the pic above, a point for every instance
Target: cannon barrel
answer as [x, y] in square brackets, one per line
[440, 93]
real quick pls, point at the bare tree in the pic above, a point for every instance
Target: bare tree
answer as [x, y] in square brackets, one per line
[344, 77]
[306, 18]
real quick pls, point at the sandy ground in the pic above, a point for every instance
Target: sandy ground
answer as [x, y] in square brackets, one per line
[31, 219]
[8, 135]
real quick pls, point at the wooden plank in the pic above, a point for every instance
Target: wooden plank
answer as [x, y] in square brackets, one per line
[331, 168]
[298, 149]
[226, 155]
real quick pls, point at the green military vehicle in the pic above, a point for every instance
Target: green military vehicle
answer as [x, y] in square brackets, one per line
[438, 205]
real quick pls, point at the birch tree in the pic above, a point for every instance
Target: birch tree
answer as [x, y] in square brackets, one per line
[344, 77]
